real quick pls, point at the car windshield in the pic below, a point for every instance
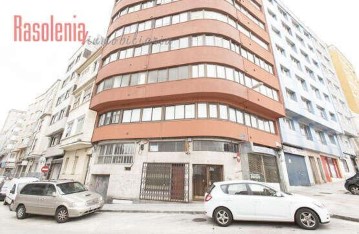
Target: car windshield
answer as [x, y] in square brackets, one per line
[71, 187]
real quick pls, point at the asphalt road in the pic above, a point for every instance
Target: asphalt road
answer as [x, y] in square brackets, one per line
[104, 222]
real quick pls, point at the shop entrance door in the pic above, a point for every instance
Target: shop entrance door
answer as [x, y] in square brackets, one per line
[203, 177]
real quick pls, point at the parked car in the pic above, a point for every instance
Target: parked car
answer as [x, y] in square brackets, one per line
[352, 184]
[62, 199]
[6, 186]
[253, 201]
[15, 186]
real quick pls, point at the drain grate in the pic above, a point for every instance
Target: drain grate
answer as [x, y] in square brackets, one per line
[197, 220]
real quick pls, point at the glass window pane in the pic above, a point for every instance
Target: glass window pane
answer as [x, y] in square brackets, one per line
[190, 109]
[211, 71]
[232, 115]
[173, 74]
[126, 116]
[170, 113]
[157, 114]
[229, 73]
[223, 112]
[175, 44]
[247, 119]
[125, 80]
[239, 117]
[202, 110]
[201, 70]
[179, 112]
[254, 121]
[147, 114]
[221, 72]
[135, 117]
[213, 113]
[184, 42]
[152, 77]
[162, 75]
[183, 72]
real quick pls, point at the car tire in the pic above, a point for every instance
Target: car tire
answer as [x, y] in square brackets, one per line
[222, 216]
[21, 212]
[354, 189]
[307, 219]
[62, 215]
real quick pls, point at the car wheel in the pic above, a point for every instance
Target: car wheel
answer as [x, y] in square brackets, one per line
[62, 215]
[307, 219]
[223, 217]
[21, 212]
[354, 189]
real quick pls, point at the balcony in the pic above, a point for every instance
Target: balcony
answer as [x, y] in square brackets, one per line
[59, 126]
[54, 151]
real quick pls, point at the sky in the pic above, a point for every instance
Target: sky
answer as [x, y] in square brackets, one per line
[29, 68]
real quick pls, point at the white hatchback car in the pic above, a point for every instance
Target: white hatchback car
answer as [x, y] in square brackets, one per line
[253, 201]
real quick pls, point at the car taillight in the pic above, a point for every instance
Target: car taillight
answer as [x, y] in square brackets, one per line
[208, 197]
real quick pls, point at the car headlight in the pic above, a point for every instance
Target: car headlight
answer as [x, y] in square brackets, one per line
[319, 204]
[78, 204]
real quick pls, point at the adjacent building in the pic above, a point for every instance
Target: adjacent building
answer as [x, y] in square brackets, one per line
[187, 94]
[54, 153]
[8, 138]
[315, 131]
[32, 141]
[76, 139]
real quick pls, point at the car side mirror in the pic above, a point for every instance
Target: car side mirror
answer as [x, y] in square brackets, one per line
[12, 191]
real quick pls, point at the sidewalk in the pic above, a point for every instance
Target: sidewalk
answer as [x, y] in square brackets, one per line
[341, 204]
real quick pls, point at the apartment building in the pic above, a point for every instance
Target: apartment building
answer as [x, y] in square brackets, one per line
[313, 132]
[32, 140]
[8, 137]
[187, 95]
[53, 155]
[349, 82]
[76, 139]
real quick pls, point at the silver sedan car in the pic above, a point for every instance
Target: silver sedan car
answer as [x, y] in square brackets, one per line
[62, 199]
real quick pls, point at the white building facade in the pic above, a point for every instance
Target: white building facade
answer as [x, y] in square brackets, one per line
[312, 131]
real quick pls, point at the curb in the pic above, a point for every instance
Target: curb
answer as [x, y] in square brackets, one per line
[152, 211]
[345, 218]
[334, 216]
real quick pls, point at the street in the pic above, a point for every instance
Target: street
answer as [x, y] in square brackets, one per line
[113, 222]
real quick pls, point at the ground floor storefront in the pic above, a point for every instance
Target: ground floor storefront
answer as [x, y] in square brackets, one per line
[176, 170]
[305, 167]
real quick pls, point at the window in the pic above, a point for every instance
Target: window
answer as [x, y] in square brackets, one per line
[170, 113]
[120, 153]
[80, 124]
[235, 189]
[332, 116]
[317, 93]
[320, 136]
[289, 123]
[76, 102]
[263, 168]
[217, 146]
[74, 165]
[87, 95]
[296, 62]
[322, 112]
[223, 112]
[303, 83]
[260, 190]
[345, 165]
[305, 131]
[332, 139]
[291, 95]
[308, 105]
[69, 129]
[190, 111]
[65, 166]
[280, 50]
[202, 110]
[213, 112]
[167, 146]
[285, 70]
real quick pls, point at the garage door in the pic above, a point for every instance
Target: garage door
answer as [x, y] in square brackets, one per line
[297, 170]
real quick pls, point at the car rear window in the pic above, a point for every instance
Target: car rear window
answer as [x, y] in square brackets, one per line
[235, 189]
[209, 190]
